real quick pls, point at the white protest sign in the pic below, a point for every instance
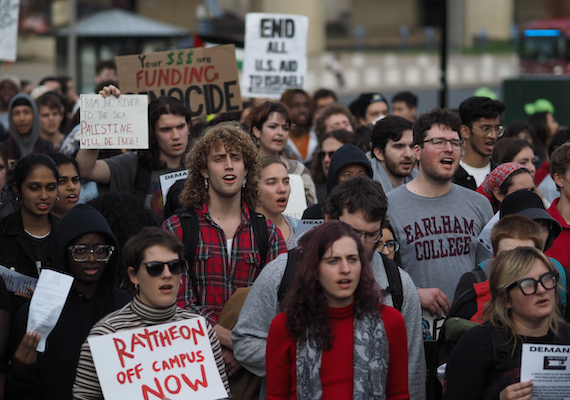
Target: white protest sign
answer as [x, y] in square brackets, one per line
[297, 200]
[9, 10]
[306, 225]
[167, 180]
[548, 367]
[275, 54]
[47, 304]
[114, 123]
[173, 360]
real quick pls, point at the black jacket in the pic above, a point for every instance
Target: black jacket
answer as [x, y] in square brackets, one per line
[347, 155]
[16, 251]
[55, 370]
[462, 178]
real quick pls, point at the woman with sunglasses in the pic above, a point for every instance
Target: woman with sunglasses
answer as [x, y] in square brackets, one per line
[270, 123]
[155, 263]
[523, 309]
[335, 339]
[84, 247]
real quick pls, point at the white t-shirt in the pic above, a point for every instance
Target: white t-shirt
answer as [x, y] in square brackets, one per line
[478, 173]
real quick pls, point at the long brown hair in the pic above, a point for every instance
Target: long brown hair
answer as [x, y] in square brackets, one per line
[306, 304]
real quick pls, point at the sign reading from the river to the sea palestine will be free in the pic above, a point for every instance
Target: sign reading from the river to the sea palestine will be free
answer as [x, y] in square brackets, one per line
[204, 79]
[275, 54]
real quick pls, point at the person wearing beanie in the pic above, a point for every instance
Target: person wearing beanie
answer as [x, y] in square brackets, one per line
[369, 107]
[346, 162]
[24, 129]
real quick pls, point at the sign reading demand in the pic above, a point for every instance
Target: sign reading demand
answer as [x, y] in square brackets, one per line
[204, 79]
[275, 54]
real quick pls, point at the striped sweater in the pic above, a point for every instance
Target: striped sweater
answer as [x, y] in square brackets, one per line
[134, 315]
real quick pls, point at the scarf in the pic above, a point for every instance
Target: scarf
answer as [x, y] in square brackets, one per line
[371, 356]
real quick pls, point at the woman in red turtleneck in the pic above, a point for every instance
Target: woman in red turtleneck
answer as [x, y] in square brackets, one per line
[335, 339]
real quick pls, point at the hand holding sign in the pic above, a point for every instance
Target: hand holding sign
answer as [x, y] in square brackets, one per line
[114, 123]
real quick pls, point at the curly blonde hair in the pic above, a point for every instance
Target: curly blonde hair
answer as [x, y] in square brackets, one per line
[509, 267]
[232, 137]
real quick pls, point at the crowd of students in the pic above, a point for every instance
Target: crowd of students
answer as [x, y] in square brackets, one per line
[419, 216]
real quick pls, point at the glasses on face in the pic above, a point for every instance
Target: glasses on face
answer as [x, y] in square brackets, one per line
[392, 246]
[321, 154]
[487, 130]
[370, 237]
[528, 286]
[440, 143]
[155, 268]
[101, 252]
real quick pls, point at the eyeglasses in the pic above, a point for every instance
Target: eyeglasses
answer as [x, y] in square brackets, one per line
[155, 268]
[392, 246]
[81, 252]
[529, 285]
[487, 130]
[440, 143]
[322, 154]
[370, 237]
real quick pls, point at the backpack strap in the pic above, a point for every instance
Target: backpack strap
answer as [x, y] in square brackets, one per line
[190, 234]
[287, 275]
[479, 273]
[259, 226]
[394, 282]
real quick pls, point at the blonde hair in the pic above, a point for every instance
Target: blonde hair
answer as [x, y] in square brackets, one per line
[232, 137]
[508, 268]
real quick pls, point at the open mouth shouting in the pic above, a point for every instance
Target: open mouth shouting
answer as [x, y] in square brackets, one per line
[229, 178]
[166, 289]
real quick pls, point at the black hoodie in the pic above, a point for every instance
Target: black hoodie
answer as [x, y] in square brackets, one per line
[55, 370]
[347, 155]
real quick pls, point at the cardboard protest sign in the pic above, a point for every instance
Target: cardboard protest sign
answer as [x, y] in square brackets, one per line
[173, 360]
[297, 200]
[204, 79]
[275, 54]
[9, 10]
[114, 123]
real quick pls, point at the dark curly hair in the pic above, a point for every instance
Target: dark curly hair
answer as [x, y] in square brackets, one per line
[232, 137]
[306, 304]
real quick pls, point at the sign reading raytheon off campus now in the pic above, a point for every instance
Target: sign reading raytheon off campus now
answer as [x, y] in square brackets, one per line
[204, 79]
[275, 54]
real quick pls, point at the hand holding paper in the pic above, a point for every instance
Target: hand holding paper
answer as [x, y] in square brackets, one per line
[25, 357]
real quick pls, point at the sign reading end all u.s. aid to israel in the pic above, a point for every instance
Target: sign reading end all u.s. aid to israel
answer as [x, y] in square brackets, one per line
[275, 54]
[204, 79]
[173, 360]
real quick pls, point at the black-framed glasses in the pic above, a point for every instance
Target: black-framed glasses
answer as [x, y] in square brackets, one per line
[81, 252]
[155, 268]
[392, 246]
[528, 286]
[487, 130]
[370, 237]
[440, 143]
[321, 154]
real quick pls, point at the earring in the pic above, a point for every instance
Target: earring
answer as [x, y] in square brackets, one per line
[244, 182]
[136, 288]
[206, 183]
[17, 199]
[57, 198]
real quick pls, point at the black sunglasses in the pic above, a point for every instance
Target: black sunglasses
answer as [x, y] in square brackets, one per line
[321, 154]
[155, 268]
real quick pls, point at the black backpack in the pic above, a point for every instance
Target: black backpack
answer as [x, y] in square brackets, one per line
[191, 234]
[394, 279]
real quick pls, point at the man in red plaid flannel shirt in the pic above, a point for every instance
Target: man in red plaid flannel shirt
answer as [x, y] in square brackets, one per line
[223, 186]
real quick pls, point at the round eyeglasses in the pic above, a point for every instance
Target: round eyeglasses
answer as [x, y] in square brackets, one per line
[392, 245]
[370, 237]
[487, 130]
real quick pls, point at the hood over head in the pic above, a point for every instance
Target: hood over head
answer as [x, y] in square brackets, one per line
[81, 220]
[347, 155]
[26, 146]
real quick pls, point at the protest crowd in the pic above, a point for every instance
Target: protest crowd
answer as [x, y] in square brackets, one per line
[366, 251]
